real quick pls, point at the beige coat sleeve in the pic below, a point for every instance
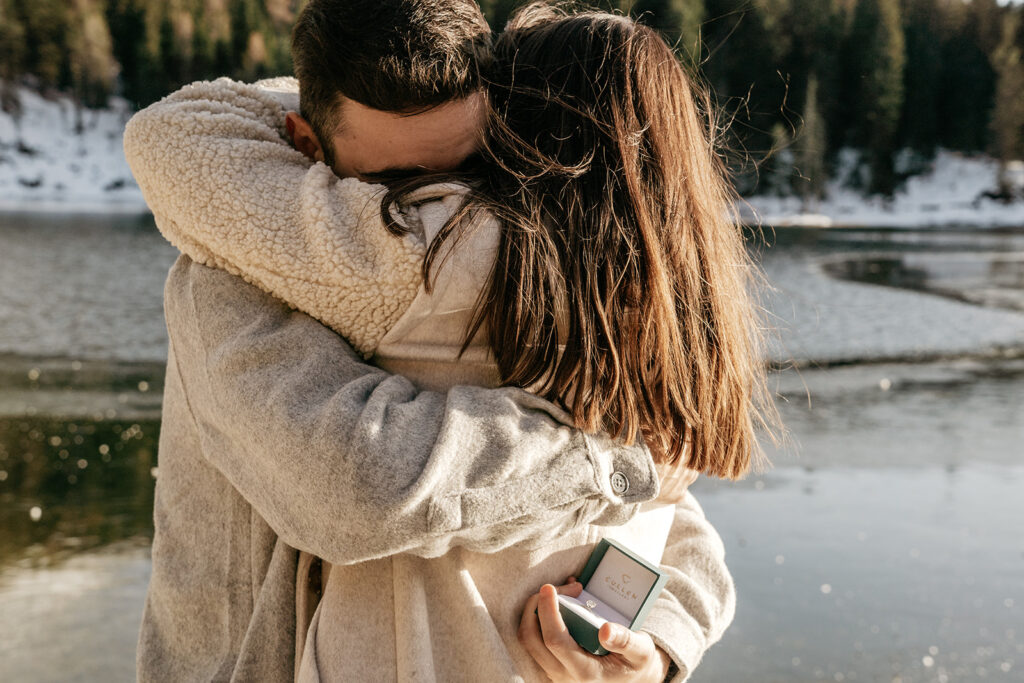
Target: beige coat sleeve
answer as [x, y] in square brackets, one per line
[229, 191]
[350, 463]
[699, 600]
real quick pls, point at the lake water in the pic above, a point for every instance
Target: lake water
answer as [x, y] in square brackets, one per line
[884, 544]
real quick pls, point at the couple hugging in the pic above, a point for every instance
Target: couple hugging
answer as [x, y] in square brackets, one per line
[528, 238]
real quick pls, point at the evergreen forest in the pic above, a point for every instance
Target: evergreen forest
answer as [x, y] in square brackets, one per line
[795, 81]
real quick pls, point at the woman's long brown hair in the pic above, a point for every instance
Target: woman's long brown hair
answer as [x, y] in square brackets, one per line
[621, 288]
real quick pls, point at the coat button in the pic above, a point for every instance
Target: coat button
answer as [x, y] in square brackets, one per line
[620, 484]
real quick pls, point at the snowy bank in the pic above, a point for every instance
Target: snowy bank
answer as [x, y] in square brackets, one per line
[45, 166]
[949, 193]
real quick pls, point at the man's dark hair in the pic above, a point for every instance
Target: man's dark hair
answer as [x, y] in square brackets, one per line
[393, 55]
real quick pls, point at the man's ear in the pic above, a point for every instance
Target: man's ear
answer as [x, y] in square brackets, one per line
[303, 137]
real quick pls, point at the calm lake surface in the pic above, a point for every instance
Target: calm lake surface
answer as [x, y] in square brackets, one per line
[885, 543]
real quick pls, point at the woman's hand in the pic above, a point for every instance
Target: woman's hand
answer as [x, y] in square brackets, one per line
[633, 656]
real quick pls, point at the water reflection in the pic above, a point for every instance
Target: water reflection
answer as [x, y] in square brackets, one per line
[78, 448]
[71, 485]
[984, 278]
[898, 239]
[891, 271]
[980, 267]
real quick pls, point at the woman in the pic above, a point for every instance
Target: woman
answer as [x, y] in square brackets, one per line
[614, 234]
[594, 264]
[620, 288]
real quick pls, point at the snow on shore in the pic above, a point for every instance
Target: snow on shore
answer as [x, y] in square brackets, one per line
[949, 193]
[46, 166]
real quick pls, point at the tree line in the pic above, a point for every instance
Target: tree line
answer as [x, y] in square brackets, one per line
[796, 80]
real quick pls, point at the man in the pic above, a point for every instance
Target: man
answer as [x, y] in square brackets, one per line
[277, 439]
[396, 89]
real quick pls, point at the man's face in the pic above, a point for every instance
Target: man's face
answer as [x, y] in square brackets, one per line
[376, 145]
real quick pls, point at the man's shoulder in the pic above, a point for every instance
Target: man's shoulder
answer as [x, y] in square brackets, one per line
[208, 308]
[199, 295]
[194, 281]
[188, 279]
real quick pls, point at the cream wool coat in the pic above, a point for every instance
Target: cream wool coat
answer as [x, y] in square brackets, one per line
[318, 242]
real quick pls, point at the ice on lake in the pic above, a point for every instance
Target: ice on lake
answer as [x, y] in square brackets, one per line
[882, 545]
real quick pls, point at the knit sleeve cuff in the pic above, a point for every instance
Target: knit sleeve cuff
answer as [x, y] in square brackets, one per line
[675, 632]
[625, 474]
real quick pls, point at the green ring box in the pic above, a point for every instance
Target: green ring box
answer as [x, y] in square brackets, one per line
[618, 586]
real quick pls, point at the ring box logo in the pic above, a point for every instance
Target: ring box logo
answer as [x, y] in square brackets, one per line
[620, 588]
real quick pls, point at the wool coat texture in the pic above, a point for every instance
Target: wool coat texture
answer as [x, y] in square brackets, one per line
[436, 514]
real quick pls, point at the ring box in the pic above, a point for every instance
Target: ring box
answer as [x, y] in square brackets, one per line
[619, 586]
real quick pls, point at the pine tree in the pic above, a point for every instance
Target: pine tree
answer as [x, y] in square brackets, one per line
[922, 22]
[200, 66]
[222, 63]
[172, 59]
[126, 20]
[809, 149]
[778, 166]
[1008, 114]
[241, 28]
[967, 84]
[12, 43]
[91, 60]
[813, 56]
[45, 23]
[12, 54]
[255, 51]
[877, 59]
[744, 70]
[678, 20]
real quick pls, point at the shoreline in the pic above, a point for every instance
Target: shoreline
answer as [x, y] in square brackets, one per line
[60, 207]
[80, 372]
[914, 296]
[48, 167]
[907, 222]
[983, 221]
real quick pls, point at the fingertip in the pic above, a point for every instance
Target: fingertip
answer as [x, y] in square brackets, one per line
[547, 598]
[611, 636]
